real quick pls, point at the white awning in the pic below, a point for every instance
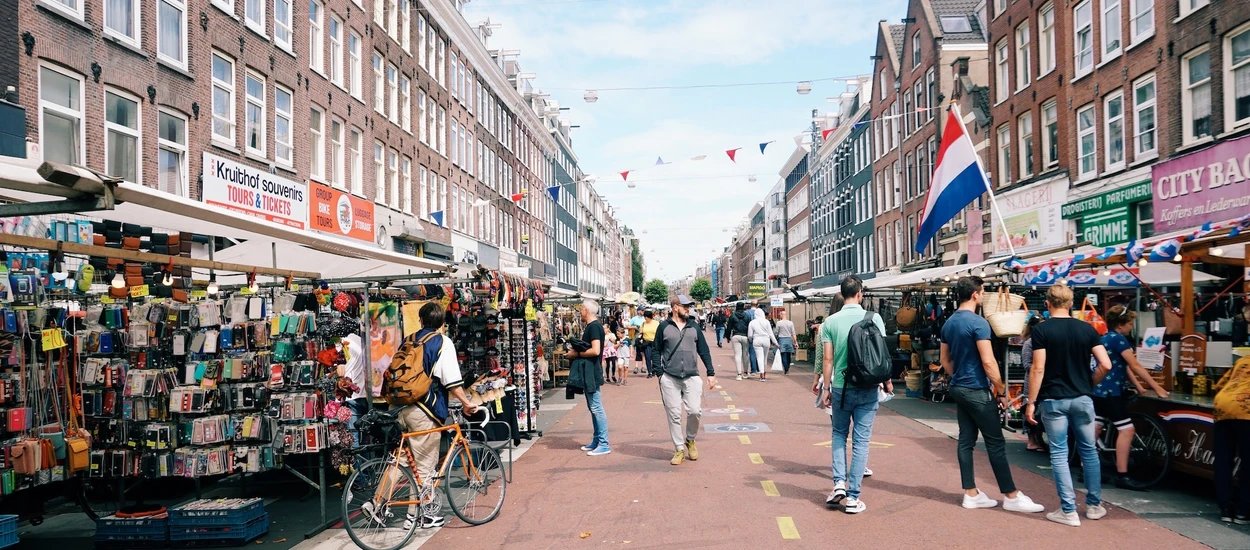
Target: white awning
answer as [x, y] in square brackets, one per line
[925, 275]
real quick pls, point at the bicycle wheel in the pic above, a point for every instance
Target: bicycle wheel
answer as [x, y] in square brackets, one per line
[473, 480]
[381, 528]
[98, 498]
[1150, 456]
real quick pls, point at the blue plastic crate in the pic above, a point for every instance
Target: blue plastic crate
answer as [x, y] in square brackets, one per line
[8, 538]
[237, 516]
[132, 526]
[219, 535]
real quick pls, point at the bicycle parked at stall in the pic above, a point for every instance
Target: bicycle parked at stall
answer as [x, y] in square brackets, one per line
[471, 476]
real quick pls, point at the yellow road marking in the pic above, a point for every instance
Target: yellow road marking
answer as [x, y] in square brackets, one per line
[732, 407]
[724, 393]
[876, 444]
[788, 530]
[770, 489]
[744, 440]
[755, 458]
[653, 402]
[733, 417]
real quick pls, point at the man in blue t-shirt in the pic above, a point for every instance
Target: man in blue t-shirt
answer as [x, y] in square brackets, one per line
[969, 358]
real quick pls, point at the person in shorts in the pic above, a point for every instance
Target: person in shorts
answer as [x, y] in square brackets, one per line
[1110, 405]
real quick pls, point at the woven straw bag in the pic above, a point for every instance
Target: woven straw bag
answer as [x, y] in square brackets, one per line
[1002, 301]
[1006, 313]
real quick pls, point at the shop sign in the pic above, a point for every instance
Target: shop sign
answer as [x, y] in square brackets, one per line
[1118, 198]
[466, 249]
[1203, 186]
[338, 213]
[254, 192]
[1032, 217]
[1105, 219]
[1190, 435]
[1193, 355]
[756, 291]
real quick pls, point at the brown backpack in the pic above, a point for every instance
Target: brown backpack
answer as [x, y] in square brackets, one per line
[407, 380]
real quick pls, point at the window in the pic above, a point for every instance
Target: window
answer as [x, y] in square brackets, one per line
[1046, 46]
[421, 45]
[379, 13]
[379, 173]
[455, 139]
[282, 24]
[392, 166]
[931, 83]
[1113, 114]
[423, 196]
[918, 118]
[1002, 72]
[405, 26]
[911, 176]
[61, 116]
[1145, 219]
[430, 59]
[316, 144]
[405, 168]
[1087, 141]
[422, 129]
[1050, 127]
[955, 23]
[915, 50]
[405, 103]
[316, 57]
[907, 112]
[1189, 6]
[223, 98]
[1083, 38]
[172, 153]
[1142, 19]
[1004, 156]
[442, 132]
[1024, 65]
[254, 114]
[379, 92]
[353, 65]
[336, 158]
[254, 15]
[336, 51]
[1237, 78]
[72, 8]
[1196, 95]
[121, 132]
[1024, 125]
[392, 85]
[121, 20]
[171, 31]
[392, 19]
[1110, 29]
[358, 162]
[441, 67]
[1144, 142]
[1000, 6]
[455, 76]
[282, 116]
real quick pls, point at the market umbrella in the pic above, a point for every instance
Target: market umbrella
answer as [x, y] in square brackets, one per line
[629, 298]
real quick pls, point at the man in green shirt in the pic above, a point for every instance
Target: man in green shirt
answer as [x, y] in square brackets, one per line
[848, 402]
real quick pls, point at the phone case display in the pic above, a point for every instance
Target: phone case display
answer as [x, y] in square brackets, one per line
[519, 351]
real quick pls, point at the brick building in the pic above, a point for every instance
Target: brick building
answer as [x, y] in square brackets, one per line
[887, 160]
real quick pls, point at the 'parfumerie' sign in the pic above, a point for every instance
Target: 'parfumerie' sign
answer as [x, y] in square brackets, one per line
[1206, 186]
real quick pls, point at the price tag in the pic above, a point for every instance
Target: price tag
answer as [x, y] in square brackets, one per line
[548, 308]
[52, 339]
[106, 299]
[246, 291]
[199, 294]
[294, 287]
[139, 291]
[499, 406]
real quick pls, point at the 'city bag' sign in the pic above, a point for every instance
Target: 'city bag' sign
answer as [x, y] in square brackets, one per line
[247, 190]
[1206, 186]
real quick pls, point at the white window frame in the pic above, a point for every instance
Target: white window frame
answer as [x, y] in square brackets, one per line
[1050, 145]
[135, 23]
[317, 143]
[1139, 108]
[283, 25]
[136, 133]
[1028, 147]
[392, 171]
[392, 19]
[1187, 88]
[424, 196]
[1046, 40]
[228, 87]
[181, 7]
[78, 115]
[1190, 6]
[1110, 124]
[442, 131]
[405, 103]
[354, 66]
[379, 13]
[455, 76]
[915, 50]
[1092, 153]
[392, 86]
[379, 83]
[1231, 122]
[421, 58]
[405, 170]
[256, 24]
[1024, 57]
[379, 171]
[1112, 30]
[258, 102]
[455, 136]
[1077, 69]
[1003, 177]
[180, 149]
[423, 134]
[355, 144]
[316, 39]
[405, 26]
[288, 116]
[62, 6]
[337, 157]
[336, 51]
[1144, 11]
[1002, 71]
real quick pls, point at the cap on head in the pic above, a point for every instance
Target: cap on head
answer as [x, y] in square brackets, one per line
[682, 299]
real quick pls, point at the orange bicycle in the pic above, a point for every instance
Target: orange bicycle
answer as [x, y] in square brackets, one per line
[384, 501]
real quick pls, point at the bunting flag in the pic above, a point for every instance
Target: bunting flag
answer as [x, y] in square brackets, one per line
[1134, 251]
[1064, 267]
[438, 217]
[733, 153]
[659, 161]
[1201, 232]
[517, 197]
[824, 134]
[1107, 253]
[763, 145]
[1082, 277]
[1015, 262]
[1165, 250]
[480, 202]
[554, 191]
[625, 175]
[700, 157]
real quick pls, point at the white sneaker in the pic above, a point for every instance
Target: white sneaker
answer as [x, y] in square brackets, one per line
[1066, 518]
[867, 472]
[854, 506]
[739, 377]
[838, 494]
[1022, 503]
[371, 511]
[1096, 511]
[979, 501]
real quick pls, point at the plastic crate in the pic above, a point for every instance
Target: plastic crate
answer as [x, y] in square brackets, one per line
[233, 516]
[219, 535]
[8, 531]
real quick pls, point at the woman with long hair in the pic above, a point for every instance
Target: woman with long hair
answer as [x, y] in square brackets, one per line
[835, 306]
[760, 333]
[1035, 431]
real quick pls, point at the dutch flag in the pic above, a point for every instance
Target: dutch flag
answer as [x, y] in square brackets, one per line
[957, 180]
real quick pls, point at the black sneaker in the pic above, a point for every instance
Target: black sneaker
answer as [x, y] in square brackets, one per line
[1241, 519]
[1124, 482]
[1226, 515]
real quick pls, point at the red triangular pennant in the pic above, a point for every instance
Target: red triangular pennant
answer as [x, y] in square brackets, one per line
[625, 175]
[824, 134]
[517, 197]
[732, 153]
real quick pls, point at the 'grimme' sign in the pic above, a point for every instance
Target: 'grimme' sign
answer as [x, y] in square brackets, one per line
[1205, 186]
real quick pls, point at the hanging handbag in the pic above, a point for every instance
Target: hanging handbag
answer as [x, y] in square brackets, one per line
[77, 440]
[905, 317]
[1006, 317]
[1090, 314]
[1172, 321]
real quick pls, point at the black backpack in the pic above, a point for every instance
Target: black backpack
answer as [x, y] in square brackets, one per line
[868, 361]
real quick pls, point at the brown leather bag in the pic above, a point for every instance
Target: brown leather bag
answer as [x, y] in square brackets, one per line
[1173, 324]
[77, 440]
[906, 317]
[24, 457]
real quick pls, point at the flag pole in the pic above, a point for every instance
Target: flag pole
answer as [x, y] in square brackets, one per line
[993, 203]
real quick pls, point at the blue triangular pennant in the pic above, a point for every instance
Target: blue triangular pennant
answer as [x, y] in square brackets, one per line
[763, 145]
[659, 161]
[554, 191]
[438, 217]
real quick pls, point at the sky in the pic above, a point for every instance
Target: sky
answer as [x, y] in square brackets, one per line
[684, 211]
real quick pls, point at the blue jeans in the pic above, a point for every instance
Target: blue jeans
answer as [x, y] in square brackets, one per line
[599, 419]
[755, 364]
[1075, 415]
[860, 405]
[720, 335]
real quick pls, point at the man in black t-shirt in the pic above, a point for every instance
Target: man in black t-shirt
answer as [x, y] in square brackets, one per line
[1062, 380]
[593, 336]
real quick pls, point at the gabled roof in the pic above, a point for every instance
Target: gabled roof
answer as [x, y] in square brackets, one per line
[897, 33]
[892, 37]
[955, 8]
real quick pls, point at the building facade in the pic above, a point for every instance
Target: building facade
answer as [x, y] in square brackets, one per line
[775, 235]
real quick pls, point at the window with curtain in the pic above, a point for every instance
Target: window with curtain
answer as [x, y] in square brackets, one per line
[1237, 85]
[1196, 95]
[1087, 141]
[172, 153]
[171, 31]
[282, 117]
[61, 115]
[1113, 115]
[1144, 124]
[121, 131]
[254, 114]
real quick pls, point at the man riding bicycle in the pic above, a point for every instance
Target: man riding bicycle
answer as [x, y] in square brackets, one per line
[431, 409]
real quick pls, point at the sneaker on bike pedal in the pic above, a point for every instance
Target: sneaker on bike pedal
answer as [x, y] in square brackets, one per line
[1241, 519]
[430, 522]
[1123, 481]
[371, 511]
[1226, 515]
